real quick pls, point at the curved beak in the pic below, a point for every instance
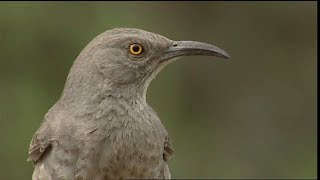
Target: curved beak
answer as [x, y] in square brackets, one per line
[187, 48]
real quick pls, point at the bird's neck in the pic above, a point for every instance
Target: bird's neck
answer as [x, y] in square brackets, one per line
[90, 89]
[93, 93]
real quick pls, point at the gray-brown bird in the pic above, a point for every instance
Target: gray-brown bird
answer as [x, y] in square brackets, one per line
[102, 127]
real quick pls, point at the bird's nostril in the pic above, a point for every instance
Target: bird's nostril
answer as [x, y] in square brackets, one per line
[174, 45]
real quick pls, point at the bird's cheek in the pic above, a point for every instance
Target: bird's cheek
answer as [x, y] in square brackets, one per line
[118, 73]
[123, 75]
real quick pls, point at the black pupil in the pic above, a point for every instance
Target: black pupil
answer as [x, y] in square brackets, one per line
[136, 48]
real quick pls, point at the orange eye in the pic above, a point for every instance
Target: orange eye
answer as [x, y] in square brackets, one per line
[135, 49]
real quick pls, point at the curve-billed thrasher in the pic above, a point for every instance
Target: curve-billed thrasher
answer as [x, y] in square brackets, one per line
[102, 127]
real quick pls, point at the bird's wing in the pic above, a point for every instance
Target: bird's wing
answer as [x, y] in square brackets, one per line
[168, 151]
[41, 141]
[39, 144]
[167, 154]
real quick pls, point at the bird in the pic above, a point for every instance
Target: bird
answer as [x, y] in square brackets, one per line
[102, 127]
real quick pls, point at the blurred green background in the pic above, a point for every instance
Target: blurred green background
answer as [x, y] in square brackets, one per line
[251, 117]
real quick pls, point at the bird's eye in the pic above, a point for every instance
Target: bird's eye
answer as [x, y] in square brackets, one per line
[135, 49]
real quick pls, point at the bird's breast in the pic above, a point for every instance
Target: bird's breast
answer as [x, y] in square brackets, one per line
[132, 153]
[133, 143]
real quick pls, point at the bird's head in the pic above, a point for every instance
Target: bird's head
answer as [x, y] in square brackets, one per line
[131, 58]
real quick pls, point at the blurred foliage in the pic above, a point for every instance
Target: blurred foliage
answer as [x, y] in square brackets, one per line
[251, 117]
